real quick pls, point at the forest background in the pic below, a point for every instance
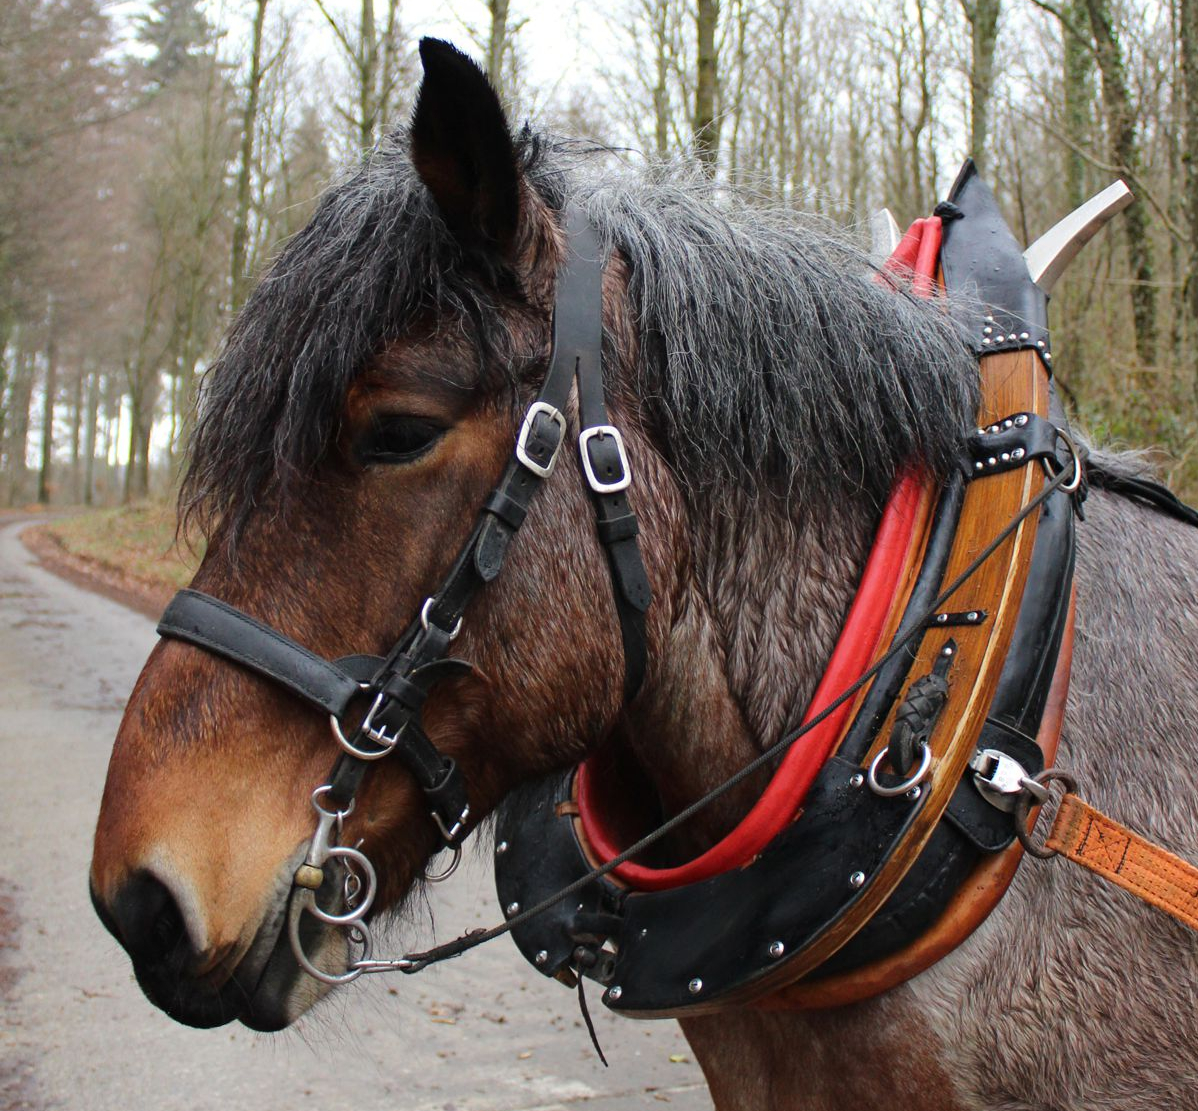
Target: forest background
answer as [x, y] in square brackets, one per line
[155, 155]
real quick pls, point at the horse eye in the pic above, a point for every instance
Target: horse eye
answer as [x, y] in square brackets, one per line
[399, 439]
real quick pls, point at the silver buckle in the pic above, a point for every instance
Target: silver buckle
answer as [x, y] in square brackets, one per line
[452, 832]
[593, 480]
[1001, 779]
[555, 415]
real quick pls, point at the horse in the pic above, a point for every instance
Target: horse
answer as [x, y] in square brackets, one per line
[769, 391]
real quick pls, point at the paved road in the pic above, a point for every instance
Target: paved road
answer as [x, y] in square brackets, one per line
[483, 1033]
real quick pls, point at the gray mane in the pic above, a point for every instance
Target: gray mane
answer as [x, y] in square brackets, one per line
[770, 356]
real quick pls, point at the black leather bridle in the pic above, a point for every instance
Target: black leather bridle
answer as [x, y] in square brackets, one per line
[397, 685]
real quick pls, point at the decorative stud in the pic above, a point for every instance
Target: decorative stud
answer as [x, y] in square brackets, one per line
[987, 330]
[1024, 335]
[1048, 356]
[914, 793]
[857, 879]
[993, 428]
[1040, 344]
[1007, 423]
[501, 848]
[992, 462]
[777, 949]
[977, 466]
[941, 618]
[512, 909]
[695, 986]
[1021, 420]
[1005, 457]
[985, 342]
[973, 615]
[856, 779]
[541, 959]
[947, 650]
[1017, 453]
[613, 994]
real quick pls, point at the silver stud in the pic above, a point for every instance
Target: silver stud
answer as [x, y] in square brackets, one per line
[947, 650]
[914, 793]
[941, 618]
[1024, 335]
[977, 466]
[1017, 453]
[987, 330]
[1048, 356]
[1007, 423]
[992, 462]
[512, 909]
[541, 959]
[981, 432]
[501, 848]
[857, 879]
[614, 994]
[985, 342]
[973, 615]
[1011, 338]
[993, 428]
[989, 320]
[695, 986]
[777, 949]
[856, 779]
[1005, 457]
[644, 931]
[1021, 420]
[1040, 344]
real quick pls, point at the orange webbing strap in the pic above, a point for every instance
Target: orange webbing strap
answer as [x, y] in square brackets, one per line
[1158, 877]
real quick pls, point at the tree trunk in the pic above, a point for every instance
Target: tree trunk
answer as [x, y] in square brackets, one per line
[76, 434]
[89, 450]
[1077, 63]
[983, 26]
[1121, 128]
[705, 128]
[1187, 33]
[368, 77]
[20, 397]
[249, 117]
[497, 44]
[43, 474]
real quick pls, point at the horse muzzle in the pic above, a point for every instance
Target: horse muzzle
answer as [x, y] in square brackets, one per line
[256, 981]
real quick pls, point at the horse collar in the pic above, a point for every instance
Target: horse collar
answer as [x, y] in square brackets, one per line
[395, 687]
[842, 869]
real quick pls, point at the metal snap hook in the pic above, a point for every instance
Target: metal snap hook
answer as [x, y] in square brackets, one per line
[1035, 793]
[455, 860]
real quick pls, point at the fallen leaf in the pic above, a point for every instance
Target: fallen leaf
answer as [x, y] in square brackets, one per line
[678, 1058]
[524, 1056]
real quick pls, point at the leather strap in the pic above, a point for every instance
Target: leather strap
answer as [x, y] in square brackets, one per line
[1091, 839]
[211, 624]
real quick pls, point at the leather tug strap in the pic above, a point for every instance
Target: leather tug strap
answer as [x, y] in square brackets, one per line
[396, 686]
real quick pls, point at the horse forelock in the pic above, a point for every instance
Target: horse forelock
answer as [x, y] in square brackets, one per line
[767, 356]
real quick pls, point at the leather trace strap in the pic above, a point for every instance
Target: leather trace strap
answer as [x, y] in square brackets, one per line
[1089, 838]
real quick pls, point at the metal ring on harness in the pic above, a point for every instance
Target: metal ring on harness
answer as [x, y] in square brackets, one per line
[925, 763]
[1036, 793]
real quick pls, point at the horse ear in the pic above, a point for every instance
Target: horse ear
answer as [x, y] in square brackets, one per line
[462, 148]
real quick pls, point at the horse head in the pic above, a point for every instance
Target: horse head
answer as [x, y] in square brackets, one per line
[366, 402]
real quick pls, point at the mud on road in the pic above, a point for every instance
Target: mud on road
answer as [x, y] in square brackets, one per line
[483, 1033]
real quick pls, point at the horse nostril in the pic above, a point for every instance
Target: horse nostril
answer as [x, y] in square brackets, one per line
[145, 919]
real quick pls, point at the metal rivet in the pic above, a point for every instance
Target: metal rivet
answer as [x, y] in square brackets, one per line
[977, 466]
[856, 779]
[1040, 344]
[973, 615]
[1024, 335]
[1048, 356]
[947, 650]
[941, 618]
[777, 949]
[1006, 457]
[614, 993]
[501, 848]
[987, 330]
[914, 793]
[695, 986]
[993, 428]
[645, 932]
[981, 432]
[541, 958]
[985, 342]
[992, 462]
[1021, 420]
[857, 879]
[513, 908]
[1007, 423]
[989, 320]
[1017, 453]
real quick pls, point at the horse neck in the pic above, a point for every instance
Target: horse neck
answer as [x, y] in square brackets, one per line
[753, 628]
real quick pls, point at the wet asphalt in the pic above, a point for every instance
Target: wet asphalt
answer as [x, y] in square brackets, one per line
[483, 1033]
